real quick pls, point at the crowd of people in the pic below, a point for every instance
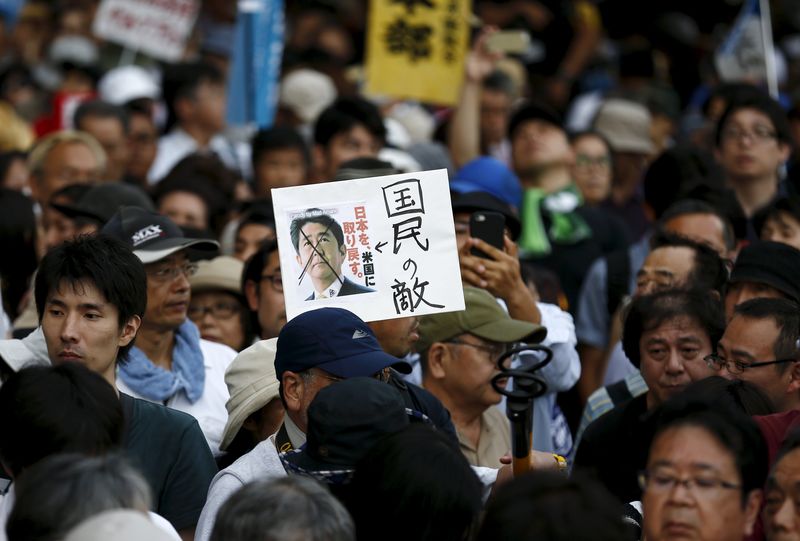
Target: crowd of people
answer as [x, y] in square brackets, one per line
[152, 385]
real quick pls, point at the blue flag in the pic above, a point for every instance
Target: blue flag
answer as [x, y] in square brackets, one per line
[255, 70]
[743, 55]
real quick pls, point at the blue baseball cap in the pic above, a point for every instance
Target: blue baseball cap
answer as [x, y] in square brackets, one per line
[489, 175]
[334, 340]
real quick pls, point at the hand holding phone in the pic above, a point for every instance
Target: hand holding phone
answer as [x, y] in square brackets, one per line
[488, 226]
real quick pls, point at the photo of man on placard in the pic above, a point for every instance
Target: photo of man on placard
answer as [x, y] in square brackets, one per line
[319, 245]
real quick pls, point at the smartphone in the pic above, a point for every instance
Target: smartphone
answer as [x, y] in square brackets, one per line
[509, 42]
[489, 227]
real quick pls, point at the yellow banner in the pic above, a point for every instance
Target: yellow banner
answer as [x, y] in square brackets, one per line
[416, 49]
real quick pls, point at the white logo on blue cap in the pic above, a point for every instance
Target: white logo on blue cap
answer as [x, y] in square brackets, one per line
[359, 334]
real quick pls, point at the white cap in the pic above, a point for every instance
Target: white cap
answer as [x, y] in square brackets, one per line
[126, 83]
[307, 93]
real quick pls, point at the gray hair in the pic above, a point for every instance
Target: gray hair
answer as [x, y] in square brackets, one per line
[41, 150]
[283, 509]
[56, 494]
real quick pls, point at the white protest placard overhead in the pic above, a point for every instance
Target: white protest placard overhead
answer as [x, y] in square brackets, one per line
[159, 28]
[381, 247]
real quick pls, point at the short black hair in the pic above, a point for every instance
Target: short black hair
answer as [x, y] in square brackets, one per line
[790, 443]
[736, 393]
[574, 136]
[315, 216]
[647, 312]
[183, 80]
[789, 204]
[254, 266]
[785, 314]
[257, 212]
[100, 109]
[760, 102]
[682, 172]
[732, 428]
[278, 138]
[57, 409]
[709, 272]
[18, 241]
[499, 81]
[548, 505]
[103, 261]
[686, 207]
[346, 113]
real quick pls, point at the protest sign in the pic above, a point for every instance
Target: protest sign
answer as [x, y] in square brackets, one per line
[159, 28]
[381, 247]
[416, 49]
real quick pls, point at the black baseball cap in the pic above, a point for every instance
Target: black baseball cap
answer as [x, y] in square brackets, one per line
[335, 340]
[344, 421]
[101, 201]
[475, 201]
[534, 111]
[772, 263]
[151, 236]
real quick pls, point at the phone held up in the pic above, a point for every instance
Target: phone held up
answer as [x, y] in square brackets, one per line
[489, 227]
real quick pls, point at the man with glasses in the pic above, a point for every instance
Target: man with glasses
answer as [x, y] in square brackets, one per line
[458, 354]
[170, 363]
[704, 474]
[760, 345]
[753, 139]
[667, 335]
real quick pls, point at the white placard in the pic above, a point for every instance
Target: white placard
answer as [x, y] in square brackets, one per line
[381, 247]
[159, 28]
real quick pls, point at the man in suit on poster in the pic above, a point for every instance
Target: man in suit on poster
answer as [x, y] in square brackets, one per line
[318, 241]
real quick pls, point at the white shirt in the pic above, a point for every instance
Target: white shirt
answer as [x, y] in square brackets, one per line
[209, 410]
[331, 291]
[178, 144]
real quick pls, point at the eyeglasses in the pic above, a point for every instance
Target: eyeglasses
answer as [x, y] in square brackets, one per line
[715, 362]
[494, 351]
[275, 280]
[701, 486]
[761, 134]
[219, 310]
[168, 274]
[582, 160]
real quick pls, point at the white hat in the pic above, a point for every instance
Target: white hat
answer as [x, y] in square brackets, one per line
[126, 83]
[223, 272]
[307, 93]
[626, 125]
[252, 384]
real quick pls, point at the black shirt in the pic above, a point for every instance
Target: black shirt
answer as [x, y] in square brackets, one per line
[169, 448]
